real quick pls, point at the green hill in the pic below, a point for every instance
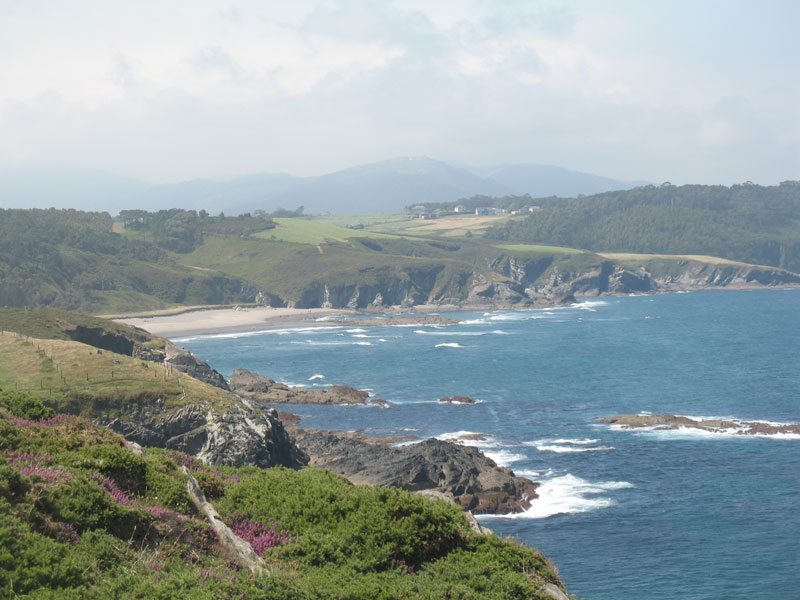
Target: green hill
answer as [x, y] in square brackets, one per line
[74, 260]
[748, 223]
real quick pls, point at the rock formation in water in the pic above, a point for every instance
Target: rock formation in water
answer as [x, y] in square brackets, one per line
[712, 425]
[458, 400]
[261, 389]
[461, 473]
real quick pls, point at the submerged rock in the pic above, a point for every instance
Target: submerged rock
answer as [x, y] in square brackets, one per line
[461, 473]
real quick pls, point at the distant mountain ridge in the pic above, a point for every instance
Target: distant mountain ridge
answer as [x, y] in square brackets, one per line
[385, 186]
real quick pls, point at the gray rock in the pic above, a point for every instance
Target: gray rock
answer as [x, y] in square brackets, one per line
[675, 422]
[239, 435]
[186, 362]
[462, 473]
[261, 389]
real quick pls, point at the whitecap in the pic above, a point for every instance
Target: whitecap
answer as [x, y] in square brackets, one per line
[361, 335]
[355, 330]
[504, 457]
[564, 449]
[568, 494]
[579, 441]
[383, 340]
[362, 343]
[316, 376]
[507, 317]
[449, 345]
[462, 333]
[465, 438]
[589, 305]
[529, 473]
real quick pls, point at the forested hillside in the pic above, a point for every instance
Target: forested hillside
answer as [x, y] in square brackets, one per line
[74, 260]
[749, 223]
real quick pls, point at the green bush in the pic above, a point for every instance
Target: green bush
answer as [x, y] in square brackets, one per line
[370, 529]
[166, 485]
[86, 505]
[12, 484]
[123, 466]
[24, 406]
[213, 487]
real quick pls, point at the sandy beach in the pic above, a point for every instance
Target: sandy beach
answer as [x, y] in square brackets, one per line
[225, 320]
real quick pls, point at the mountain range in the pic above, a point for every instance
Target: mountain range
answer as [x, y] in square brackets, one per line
[380, 187]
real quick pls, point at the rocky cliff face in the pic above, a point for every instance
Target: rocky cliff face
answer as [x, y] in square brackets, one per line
[239, 435]
[506, 280]
[461, 473]
[186, 362]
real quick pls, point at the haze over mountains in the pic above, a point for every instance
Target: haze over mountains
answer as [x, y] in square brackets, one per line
[386, 186]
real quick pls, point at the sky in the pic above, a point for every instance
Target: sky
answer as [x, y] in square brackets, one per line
[701, 91]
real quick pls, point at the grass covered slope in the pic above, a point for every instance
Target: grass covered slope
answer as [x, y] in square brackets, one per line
[57, 324]
[83, 516]
[80, 379]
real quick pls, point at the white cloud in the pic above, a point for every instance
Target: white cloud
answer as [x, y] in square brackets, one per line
[202, 88]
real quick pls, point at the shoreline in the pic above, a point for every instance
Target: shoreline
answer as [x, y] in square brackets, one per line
[215, 319]
[208, 321]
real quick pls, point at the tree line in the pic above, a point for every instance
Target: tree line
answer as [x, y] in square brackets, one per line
[747, 222]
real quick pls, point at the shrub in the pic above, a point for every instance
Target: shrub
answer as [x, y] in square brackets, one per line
[11, 483]
[117, 462]
[24, 406]
[213, 487]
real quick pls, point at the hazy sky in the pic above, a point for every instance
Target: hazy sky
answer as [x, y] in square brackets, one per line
[687, 91]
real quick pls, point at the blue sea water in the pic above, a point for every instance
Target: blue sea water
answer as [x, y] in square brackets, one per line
[623, 513]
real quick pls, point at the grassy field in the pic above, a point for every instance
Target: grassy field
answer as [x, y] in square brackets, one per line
[538, 249]
[82, 379]
[713, 260]
[305, 231]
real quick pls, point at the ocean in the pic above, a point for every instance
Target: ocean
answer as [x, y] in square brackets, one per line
[623, 513]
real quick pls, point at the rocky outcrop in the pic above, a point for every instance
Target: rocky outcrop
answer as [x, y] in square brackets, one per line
[711, 425]
[186, 362]
[458, 400]
[461, 473]
[238, 435]
[238, 549]
[261, 389]
[699, 275]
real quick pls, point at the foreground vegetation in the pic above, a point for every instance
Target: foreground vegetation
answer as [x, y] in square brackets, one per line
[83, 516]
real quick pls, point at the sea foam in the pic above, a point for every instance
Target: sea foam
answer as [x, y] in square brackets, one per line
[567, 494]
